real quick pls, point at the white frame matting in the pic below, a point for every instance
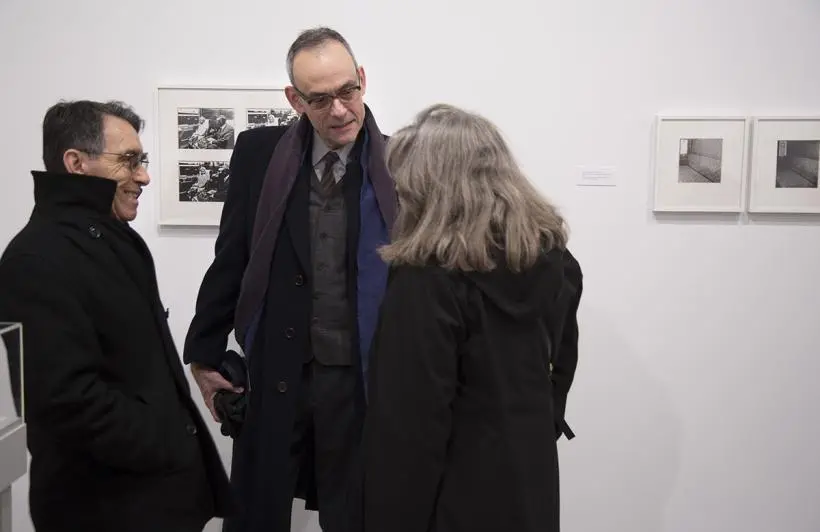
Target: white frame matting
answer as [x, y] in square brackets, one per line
[174, 102]
[725, 195]
[764, 194]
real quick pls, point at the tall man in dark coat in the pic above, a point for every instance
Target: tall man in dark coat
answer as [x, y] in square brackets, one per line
[117, 444]
[297, 277]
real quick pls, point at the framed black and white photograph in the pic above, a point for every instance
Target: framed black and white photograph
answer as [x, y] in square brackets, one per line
[785, 161]
[700, 163]
[203, 181]
[271, 117]
[205, 128]
[701, 160]
[197, 132]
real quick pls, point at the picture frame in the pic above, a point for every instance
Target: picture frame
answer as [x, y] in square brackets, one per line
[197, 131]
[784, 167]
[700, 163]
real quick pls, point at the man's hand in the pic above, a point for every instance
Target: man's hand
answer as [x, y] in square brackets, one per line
[210, 381]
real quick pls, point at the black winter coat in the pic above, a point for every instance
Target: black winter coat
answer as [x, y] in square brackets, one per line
[117, 444]
[261, 454]
[469, 382]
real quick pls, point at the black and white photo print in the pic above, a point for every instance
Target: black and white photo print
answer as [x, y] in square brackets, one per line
[205, 128]
[271, 117]
[700, 160]
[797, 163]
[203, 181]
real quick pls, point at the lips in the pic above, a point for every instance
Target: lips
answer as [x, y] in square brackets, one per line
[133, 193]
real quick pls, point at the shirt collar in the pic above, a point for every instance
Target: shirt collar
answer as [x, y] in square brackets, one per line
[320, 149]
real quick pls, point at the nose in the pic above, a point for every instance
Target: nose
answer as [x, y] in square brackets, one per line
[141, 176]
[337, 108]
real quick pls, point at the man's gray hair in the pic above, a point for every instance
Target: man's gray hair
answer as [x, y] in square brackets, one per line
[314, 38]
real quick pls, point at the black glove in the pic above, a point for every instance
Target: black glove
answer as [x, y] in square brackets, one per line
[230, 406]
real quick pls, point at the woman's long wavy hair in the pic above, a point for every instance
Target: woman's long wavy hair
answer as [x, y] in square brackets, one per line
[463, 200]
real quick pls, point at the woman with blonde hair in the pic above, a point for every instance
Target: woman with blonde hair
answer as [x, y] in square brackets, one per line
[476, 346]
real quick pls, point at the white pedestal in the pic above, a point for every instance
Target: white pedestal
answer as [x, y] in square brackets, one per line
[13, 460]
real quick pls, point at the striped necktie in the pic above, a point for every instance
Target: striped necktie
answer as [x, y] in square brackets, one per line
[328, 179]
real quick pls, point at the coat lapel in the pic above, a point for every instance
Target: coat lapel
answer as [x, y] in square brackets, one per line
[379, 175]
[297, 216]
[280, 176]
[383, 184]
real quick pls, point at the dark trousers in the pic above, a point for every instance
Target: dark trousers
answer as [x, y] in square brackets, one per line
[327, 433]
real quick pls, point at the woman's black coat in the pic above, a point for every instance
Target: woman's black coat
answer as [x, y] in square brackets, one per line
[469, 383]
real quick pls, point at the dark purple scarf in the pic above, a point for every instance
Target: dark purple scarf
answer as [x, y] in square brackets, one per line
[378, 210]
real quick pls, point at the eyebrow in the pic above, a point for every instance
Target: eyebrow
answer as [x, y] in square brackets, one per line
[347, 85]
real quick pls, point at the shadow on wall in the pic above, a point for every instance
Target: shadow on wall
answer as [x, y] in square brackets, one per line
[619, 473]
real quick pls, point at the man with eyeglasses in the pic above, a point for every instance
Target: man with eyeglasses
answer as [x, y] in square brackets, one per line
[297, 277]
[117, 444]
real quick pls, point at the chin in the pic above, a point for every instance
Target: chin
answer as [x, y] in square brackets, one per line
[125, 209]
[126, 216]
[344, 140]
[346, 135]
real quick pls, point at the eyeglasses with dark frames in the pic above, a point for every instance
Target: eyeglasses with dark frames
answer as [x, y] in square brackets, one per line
[323, 101]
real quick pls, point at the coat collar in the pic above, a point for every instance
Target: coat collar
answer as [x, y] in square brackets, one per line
[60, 191]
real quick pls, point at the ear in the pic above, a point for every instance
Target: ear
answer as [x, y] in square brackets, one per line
[74, 162]
[294, 99]
[362, 79]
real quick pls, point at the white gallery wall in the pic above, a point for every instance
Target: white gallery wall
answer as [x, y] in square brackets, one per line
[696, 403]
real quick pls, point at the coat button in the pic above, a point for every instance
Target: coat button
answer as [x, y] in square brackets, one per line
[93, 231]
[299, 280]
[282, 387]
[191, 429]
[289, 333]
